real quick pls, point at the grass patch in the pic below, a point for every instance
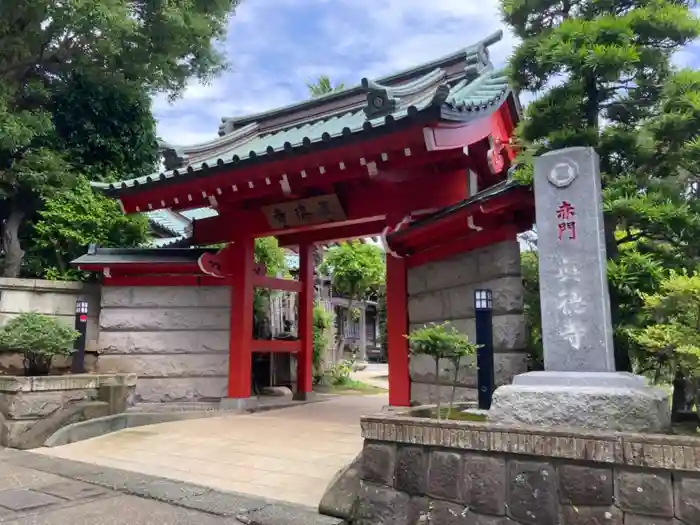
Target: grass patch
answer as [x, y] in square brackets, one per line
[456, 414]
[351, 386]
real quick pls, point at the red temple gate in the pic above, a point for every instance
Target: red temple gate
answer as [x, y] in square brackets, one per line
[420, 158]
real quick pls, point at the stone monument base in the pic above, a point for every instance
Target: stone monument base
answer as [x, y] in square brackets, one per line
[608, 401]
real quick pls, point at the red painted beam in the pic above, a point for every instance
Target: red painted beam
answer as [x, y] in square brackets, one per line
[455, 225]
[163, 280]
[274, 166]
[274, 346]
[361, 201]
[465, 244]
[333, 233]
[272, 283]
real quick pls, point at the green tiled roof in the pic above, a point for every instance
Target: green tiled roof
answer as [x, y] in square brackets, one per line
[463, 86]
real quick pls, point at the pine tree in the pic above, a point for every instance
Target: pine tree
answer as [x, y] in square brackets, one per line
[602, 71]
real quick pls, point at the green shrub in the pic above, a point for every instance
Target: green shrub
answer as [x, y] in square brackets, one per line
[323, 321]
[40, 338]
[340, 373]
[442, 341]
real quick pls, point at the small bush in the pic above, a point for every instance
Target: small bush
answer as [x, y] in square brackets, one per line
[40, 338]
[340, 373]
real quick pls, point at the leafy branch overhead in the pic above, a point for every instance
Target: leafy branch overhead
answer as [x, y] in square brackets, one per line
[75, 85]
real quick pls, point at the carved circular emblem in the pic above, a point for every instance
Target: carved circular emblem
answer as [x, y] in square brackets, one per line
[563, 174]
[378, 102]
[496, 161]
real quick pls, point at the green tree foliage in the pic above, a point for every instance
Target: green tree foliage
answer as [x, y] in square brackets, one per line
[323, 86]
[603, 74]
[71, 221]
[672, 333]
[48, 48]
[356, 270]
[106, 128]
[323, 322]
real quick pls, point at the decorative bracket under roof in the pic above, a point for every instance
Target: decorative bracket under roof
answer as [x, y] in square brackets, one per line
[174, 157]
[385, 100]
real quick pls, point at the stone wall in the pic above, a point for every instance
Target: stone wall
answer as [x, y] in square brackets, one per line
[54, 298]
[174, 338]
[34, 408]
[481, 474]
[444, 291]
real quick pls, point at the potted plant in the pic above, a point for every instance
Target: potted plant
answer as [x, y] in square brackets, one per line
[442, 341]
[39, 338]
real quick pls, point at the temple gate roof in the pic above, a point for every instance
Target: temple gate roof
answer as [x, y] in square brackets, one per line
[458, 88]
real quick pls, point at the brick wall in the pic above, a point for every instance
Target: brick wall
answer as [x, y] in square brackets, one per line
[174, 338]
[444, 291]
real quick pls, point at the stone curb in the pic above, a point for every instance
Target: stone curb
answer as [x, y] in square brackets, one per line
[251, 510]
[108, 424]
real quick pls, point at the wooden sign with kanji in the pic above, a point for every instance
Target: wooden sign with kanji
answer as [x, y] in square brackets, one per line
[305, 212]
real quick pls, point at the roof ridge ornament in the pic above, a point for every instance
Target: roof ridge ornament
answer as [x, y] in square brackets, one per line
[478, 57]
[174, 157]
[383, 100]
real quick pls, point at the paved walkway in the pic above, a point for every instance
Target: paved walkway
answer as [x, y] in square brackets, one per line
[41, 490]
[289, 454]
[375, 374]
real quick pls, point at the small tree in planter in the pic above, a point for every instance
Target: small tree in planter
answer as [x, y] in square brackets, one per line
[39, 338]
[442, 341]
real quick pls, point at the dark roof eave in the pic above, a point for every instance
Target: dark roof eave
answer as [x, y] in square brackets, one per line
[110, 256]
[481, 197]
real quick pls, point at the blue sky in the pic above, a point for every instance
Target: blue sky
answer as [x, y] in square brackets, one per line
[275, 47]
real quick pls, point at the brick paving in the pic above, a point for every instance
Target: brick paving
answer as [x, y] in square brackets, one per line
[289, 454]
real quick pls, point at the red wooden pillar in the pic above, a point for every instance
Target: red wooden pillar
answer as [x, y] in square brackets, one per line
[397, 328]
[306, 320]
[240, 365]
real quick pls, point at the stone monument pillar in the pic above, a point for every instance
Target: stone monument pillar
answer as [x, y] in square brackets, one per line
[579, 386]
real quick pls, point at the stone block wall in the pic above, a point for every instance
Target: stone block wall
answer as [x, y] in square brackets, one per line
[444, 291]
[34, 408]
[481, 474]
[53, 298]
[174, 338]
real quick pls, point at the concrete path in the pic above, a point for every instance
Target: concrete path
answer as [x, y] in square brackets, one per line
[375, 374]
[40, 490]
[289, 454]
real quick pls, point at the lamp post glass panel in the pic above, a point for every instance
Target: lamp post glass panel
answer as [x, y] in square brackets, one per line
[483, 314]
[81, 310]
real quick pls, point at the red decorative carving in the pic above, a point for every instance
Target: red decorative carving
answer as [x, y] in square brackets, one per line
[211, 264]
[496, 156]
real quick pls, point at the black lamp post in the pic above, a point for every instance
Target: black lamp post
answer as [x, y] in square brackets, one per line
[483, 307]
[81, 310]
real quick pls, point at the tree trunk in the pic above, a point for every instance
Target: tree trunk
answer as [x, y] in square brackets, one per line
[437, 386]
[10, 243]
[454, 387]
[622, 357]
[341, 335]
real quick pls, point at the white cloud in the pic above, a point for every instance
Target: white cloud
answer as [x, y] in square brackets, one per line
[276, 47]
